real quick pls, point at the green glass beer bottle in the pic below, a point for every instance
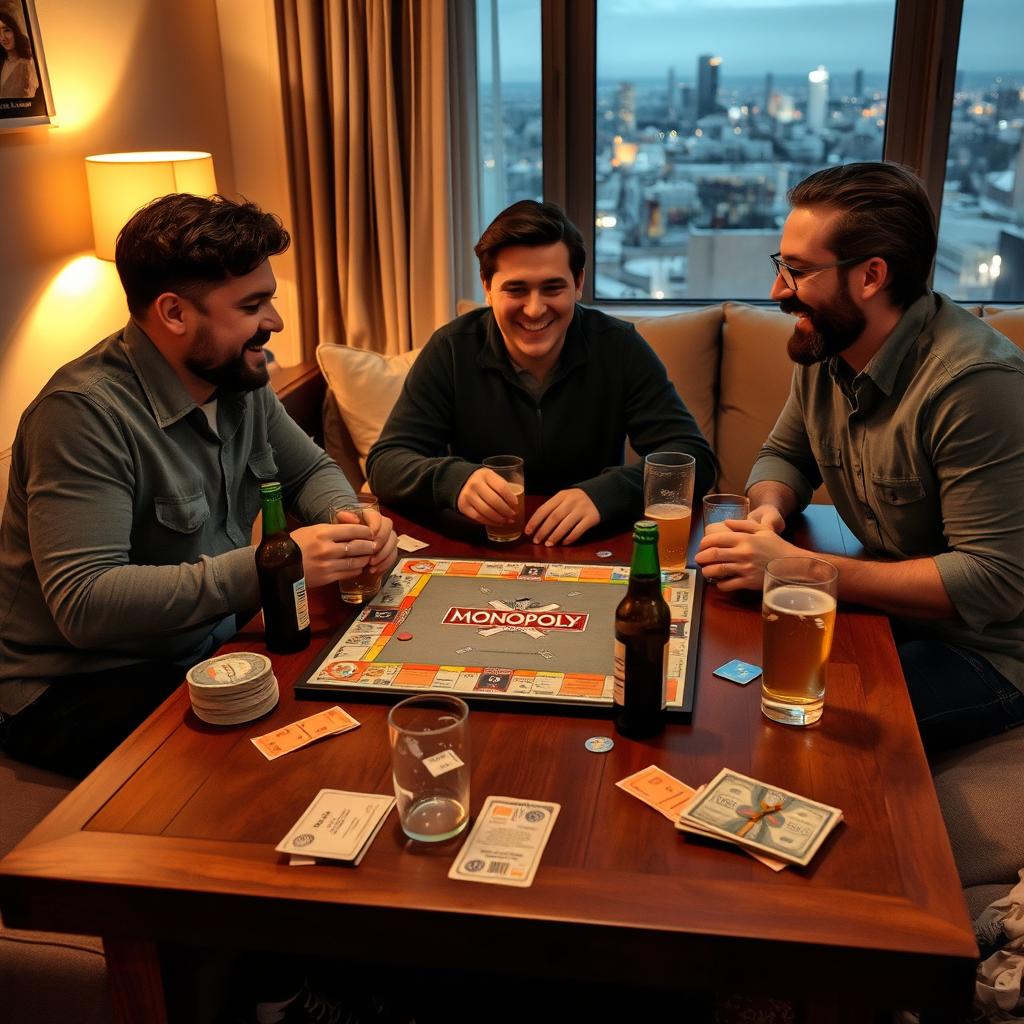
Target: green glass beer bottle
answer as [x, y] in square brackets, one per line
[282, 583]
[642, 623]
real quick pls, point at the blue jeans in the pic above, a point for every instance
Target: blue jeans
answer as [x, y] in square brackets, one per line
[957, 695]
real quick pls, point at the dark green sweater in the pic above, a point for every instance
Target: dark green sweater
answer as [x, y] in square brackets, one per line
[463, 401]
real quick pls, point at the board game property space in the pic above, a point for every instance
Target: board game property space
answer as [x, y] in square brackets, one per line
[524, 632]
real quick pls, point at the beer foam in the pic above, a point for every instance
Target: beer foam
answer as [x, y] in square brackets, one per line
[795, 600]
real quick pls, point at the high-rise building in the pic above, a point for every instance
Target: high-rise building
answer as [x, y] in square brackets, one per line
[817, 99]
[687, 101]
[769, 85]
[625, 107]
[707, 84]
[673, 95]
[858, 83]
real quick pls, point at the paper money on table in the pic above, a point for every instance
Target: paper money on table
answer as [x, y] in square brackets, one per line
[324, 723]
[760, 817]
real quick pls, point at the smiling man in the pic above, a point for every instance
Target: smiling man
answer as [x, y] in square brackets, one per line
[125, 552]
[535, 375]
[909, 409]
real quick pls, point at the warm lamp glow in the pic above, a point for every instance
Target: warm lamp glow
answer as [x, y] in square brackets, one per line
[121, 183]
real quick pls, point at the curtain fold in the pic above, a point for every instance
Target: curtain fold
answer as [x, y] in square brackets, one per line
[367, 120]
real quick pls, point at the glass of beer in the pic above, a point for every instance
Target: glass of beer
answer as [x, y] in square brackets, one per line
[510, 469]
[719, 507]
[365, 510]
[799, 614]
[668, 499]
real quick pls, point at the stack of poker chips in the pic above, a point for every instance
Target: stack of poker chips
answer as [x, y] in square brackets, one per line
[232, 688]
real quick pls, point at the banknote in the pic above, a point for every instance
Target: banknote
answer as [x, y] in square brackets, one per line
[762, 817]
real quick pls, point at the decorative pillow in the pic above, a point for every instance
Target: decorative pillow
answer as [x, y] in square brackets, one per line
[1007, 321]
[365, 385]
[755, 379]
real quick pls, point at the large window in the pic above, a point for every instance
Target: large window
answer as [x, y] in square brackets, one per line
[706, 114]
[695, 116]
[981, 230]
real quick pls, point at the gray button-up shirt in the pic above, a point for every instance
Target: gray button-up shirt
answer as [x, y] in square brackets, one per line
[923, 455]
[126, 535]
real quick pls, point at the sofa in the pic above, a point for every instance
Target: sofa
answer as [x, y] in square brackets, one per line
[729, 364]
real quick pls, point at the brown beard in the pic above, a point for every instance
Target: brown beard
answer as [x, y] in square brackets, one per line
[836, 327]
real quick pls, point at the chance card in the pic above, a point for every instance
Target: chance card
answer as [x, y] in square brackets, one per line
[506, 843]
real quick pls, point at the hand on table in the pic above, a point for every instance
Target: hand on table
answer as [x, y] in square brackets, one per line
[563, 518]
[735, 557]
[487, 498]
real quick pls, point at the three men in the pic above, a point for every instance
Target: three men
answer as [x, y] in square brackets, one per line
[125, 551]
[534, 375]
[908, 408]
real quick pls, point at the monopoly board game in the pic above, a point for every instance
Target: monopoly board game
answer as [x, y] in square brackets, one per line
[526, 632]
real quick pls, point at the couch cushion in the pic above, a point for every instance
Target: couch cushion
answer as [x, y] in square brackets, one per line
[687, 343]
[979, 791]
[365, 385]
[1007, 321]
[754, 385]
[29, 794]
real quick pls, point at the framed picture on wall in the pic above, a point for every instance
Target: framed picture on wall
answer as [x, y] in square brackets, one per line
[24, 85]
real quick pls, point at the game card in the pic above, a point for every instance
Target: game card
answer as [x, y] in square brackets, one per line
[306, 730]
[337, 825]
[659, 790]
[506, 843]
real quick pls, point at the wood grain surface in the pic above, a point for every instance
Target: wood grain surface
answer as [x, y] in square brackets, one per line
[171, 839]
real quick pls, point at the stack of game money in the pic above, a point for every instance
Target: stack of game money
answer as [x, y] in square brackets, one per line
[767, 821]
[232, 688]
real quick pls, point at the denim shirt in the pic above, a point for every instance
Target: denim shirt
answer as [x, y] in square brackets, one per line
[126, 535]
[923, 454]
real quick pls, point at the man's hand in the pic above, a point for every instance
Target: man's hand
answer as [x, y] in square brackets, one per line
[768, 515]
[563, 518]
[333, 552]
[487, 498]
[735, 557]
[382, 533]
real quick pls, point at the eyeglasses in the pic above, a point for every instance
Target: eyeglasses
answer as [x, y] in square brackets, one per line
[790, 275]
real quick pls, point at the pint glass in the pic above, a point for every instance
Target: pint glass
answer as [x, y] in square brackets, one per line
[361, 588]
[668, 497]
[799, 615]
[510, 469]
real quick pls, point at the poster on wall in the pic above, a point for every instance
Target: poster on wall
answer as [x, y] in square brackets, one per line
[24, 86]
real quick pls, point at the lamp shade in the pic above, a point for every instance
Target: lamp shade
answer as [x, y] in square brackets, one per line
[121, 183]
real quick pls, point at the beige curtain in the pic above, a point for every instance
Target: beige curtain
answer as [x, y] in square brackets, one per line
[367, 100]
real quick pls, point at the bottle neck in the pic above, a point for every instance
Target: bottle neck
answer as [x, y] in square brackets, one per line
[645, 564]
[273, 514]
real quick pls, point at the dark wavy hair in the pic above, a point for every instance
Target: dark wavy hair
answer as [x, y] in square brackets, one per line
[188, 245]
[22, 47]
[883, 211]
[529, 223]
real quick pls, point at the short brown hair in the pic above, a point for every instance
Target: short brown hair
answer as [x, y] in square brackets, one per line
[529, 223]
[188, 244]
[884, 211]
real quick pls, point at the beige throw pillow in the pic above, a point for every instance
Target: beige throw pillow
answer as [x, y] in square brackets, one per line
[365, 385]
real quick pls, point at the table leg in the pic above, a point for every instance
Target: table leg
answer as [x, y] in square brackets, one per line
[136, 985]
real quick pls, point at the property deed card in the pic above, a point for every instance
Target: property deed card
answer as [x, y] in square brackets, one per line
[337, 825]
[657, 788]
[506, 843]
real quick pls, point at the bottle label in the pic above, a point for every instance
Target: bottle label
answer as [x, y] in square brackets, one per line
[664, 677]
[301, 604]
[618, 694]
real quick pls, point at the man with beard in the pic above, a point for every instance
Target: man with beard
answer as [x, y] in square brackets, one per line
[908, 408]
[125, 552]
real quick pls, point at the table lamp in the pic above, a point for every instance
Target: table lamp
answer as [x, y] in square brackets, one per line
[121, 183]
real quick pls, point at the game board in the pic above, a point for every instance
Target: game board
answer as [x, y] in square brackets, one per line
[532, 633]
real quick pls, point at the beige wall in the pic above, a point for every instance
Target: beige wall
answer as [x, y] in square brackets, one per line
[126, 75]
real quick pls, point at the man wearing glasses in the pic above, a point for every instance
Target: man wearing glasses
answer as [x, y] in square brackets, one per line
[908, 408]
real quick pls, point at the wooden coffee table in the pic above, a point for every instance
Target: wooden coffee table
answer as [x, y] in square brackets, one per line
[171, 839]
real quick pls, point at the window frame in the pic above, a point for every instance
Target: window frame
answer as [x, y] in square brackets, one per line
[919, 107]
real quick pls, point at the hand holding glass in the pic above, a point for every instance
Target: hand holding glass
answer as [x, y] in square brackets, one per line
[510, 469]
[359, 589]
[668, 498]
[799, 616]
[429, 738]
